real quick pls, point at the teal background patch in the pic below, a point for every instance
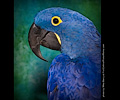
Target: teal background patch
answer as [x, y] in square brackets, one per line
[30, 73]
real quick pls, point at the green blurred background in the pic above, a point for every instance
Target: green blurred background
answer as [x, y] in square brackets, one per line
[30, 73]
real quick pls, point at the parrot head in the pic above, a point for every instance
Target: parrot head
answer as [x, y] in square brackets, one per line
[63, 29]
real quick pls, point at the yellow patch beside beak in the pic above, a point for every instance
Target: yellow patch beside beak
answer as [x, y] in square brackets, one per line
[58, 38]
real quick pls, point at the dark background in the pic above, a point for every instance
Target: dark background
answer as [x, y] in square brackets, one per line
[30, 73]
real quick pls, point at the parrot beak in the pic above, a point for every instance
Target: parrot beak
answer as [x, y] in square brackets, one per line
[38, 36]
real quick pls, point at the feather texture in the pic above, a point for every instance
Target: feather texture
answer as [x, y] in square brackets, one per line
[77, 79]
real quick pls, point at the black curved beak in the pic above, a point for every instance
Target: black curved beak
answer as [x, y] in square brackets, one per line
[38, 36]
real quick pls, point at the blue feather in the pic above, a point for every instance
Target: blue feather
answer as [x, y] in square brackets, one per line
[74, 78]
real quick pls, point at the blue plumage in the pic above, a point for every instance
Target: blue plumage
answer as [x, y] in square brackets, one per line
[76, 73]
[77, 79]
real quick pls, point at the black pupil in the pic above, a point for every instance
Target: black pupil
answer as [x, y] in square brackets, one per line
[55, 20]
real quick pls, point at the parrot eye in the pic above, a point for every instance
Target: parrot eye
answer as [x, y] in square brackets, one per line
[56, 20]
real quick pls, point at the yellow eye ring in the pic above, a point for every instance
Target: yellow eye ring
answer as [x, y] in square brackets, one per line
[56, 20]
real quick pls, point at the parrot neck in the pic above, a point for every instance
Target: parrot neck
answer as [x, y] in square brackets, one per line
[81, 48]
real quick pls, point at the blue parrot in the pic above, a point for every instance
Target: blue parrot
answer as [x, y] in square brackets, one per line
[75, 74]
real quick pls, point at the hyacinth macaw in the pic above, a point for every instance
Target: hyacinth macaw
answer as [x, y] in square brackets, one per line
[75, 74]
